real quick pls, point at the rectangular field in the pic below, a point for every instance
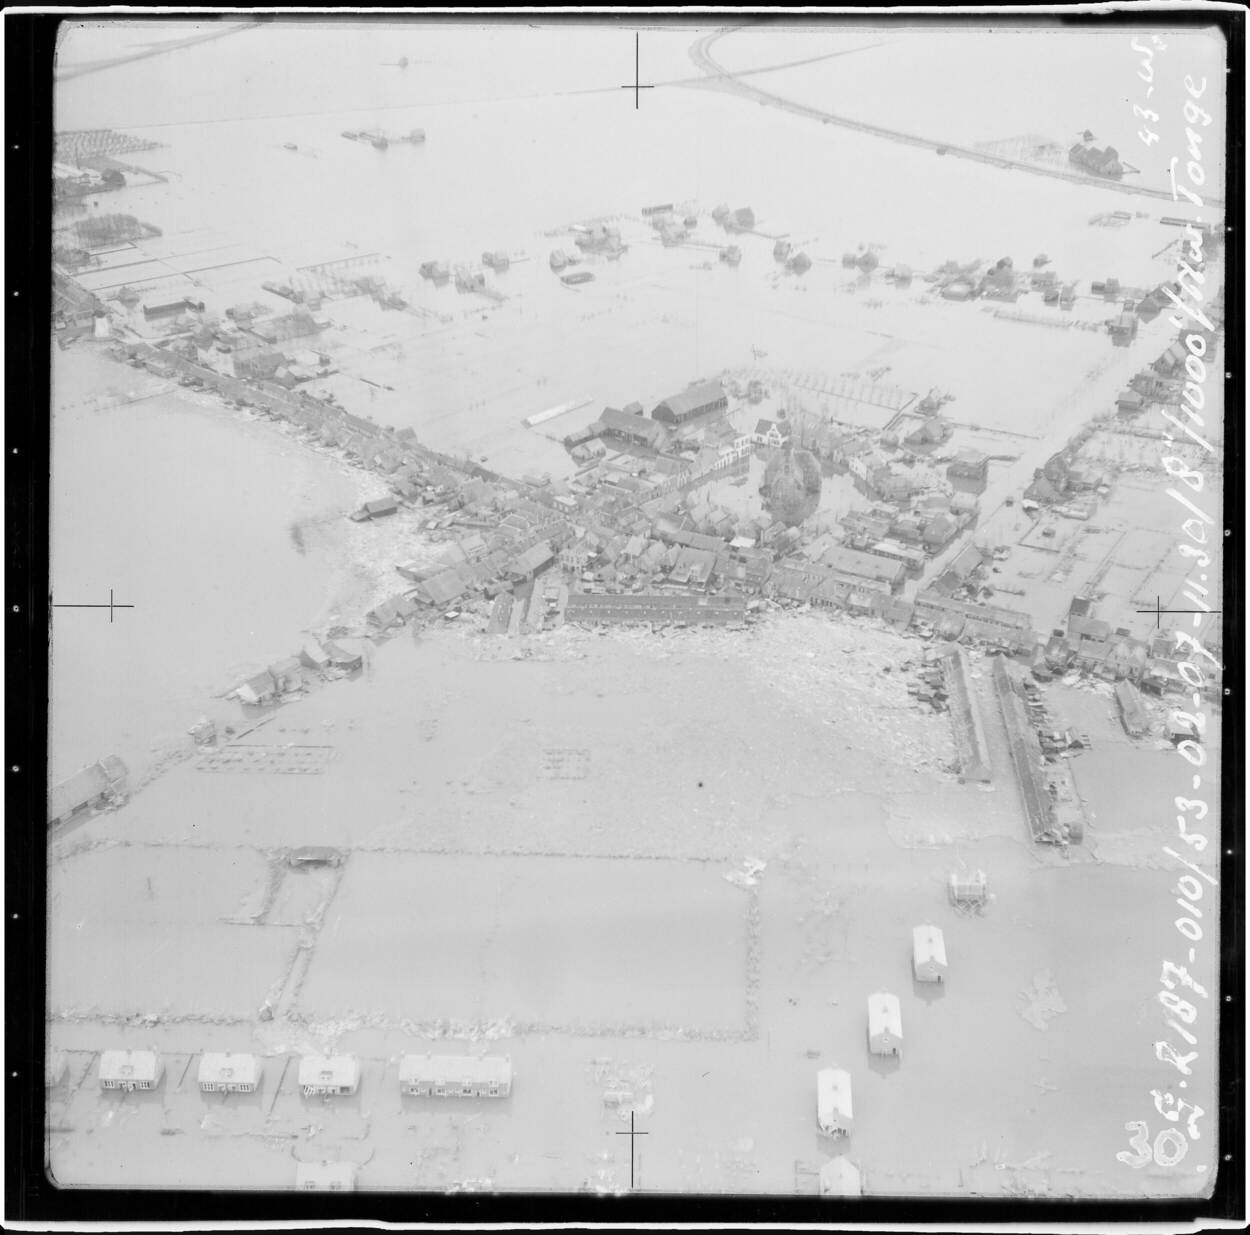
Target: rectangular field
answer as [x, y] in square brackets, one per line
[565, 944]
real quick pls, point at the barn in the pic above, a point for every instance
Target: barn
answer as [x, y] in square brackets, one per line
[697, 400]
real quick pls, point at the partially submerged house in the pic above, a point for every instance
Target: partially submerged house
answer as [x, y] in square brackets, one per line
[228, 1073]
[257, 690]
[90, 788]
[379, 508]
[834, 1112]
[329, 1074]
[286, 674]
[130, 1070]
[928, 954]
[885, 1024]
[456, 1076]
[343, 658]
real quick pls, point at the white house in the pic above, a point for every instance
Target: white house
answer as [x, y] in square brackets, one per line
[834, 1113]
[130, 1070]
[329, 1074]
[227, 1073]
[885, 1025]
[771, 433]
[456, 1076]
[840, 1177]
[325, 1177]
[928, 954]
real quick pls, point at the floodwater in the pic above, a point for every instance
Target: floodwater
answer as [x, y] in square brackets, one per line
[220, 534]
[797, 745]
[505, 108]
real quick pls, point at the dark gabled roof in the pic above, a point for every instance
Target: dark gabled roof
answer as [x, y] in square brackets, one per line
[696, 397]
[625, 422]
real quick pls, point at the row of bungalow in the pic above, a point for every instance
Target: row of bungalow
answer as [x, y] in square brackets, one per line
[319, 1075]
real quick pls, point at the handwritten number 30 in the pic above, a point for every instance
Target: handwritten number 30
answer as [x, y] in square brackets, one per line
[1169, 1147]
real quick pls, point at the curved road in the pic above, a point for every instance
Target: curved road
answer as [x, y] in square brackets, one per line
[700, 53]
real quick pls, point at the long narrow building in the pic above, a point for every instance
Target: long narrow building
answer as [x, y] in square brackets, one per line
[970, 744]
[1026, 757]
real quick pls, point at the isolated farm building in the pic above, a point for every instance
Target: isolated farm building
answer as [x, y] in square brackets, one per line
[840, 1177]
[329, 1074]
[325, 1177]
[130, 1070]
[928, 954]
[92, 786]
[379, 508]
[885, 1025]
[698, 400]
[834, 1113]
[226, 1073]
[1129, 403]
[456, 1076]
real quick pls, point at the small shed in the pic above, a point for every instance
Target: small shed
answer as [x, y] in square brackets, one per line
[228, 1073]
[326, 1177]
[840, 1177]
[130, 1070]
[329, 1074]
[456, 1076]
[834, 1112]
[885, 1024]
[928, 954]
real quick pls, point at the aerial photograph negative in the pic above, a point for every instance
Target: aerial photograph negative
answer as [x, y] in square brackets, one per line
[723, 516]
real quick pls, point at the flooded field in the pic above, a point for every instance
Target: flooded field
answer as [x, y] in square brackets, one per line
[839, 837]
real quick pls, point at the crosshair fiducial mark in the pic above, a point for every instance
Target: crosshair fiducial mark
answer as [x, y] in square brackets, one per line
[632, 1134]
[1159, 611]
[636, 86]
[111, 606]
